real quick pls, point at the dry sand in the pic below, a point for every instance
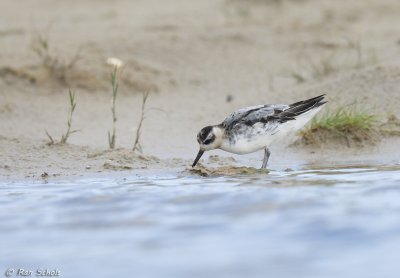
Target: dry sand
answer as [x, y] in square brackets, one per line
[200, 60]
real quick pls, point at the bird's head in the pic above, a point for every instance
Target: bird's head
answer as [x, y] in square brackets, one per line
[209, 138]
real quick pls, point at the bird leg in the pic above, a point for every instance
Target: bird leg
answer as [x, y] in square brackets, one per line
[266, 157]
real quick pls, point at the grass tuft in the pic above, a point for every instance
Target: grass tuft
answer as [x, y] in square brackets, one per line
[136, 145]
[69, 131]
[72, 103]
[347, 126]
[56, 67]
[114, 85]
[344, 119]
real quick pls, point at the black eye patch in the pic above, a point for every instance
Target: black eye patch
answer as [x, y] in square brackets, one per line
[210, 140]
[204, 132]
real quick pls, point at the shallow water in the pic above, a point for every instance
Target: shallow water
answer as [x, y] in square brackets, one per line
[315, 222]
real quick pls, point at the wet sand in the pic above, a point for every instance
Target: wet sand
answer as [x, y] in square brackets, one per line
[200, 61]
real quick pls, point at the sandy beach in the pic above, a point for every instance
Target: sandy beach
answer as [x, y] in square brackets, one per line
[200, 60]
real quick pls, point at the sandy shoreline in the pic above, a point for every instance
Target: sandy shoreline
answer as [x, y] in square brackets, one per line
[24, 160]
[200, 61]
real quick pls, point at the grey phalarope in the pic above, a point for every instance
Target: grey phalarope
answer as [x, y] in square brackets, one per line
[255, 128]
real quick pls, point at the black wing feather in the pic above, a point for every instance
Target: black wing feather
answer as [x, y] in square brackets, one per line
[299, 108]
[270, 113]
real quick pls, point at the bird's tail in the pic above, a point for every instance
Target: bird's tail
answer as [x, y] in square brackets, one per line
[300, 113]
[301, 107]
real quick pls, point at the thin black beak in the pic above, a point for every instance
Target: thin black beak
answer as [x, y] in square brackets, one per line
[197, 158]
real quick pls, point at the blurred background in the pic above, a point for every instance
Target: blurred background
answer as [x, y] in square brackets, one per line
[93, 211]
[199, 59]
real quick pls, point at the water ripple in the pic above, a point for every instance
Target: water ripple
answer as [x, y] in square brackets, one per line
[330, 222]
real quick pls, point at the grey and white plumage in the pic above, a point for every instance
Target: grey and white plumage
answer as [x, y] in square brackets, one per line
[255, 128]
